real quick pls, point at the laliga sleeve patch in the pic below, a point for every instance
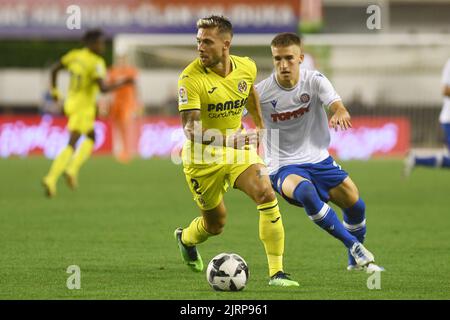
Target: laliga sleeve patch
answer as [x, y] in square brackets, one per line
[182, 96]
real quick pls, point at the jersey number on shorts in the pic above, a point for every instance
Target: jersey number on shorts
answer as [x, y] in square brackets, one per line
[196, 186]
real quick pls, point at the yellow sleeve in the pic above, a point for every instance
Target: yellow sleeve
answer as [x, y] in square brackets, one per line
[100, 69]
[67, 58]
[188, 94]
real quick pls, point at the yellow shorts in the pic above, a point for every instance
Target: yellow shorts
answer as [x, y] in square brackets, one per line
[209, 182]
[81, 121]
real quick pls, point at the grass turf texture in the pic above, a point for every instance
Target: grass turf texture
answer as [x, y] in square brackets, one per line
[118, 228]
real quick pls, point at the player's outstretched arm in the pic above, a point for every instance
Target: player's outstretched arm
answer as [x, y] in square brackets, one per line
[54, 70]
[340, 116]
[254, 108]
[110, 87]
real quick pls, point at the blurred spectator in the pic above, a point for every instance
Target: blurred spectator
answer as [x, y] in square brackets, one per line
[124, 109]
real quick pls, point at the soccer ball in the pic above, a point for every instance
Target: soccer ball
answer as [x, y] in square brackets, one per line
[227, 272]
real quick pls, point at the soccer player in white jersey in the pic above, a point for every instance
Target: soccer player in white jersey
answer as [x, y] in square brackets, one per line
[438, 160]
[300, 167]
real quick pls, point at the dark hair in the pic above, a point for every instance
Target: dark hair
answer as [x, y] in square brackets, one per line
[223, 24]
[92, 35]
[286, 39]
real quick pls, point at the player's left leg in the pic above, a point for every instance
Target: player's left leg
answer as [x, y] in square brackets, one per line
[346, 196]
[255, 182]
[83, 153]
[59, 164]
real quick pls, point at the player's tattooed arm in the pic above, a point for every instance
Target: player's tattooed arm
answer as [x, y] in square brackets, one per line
[340, 116]
[254, 108]
[192, 126]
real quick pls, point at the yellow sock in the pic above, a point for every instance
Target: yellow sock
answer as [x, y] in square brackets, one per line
[83, 153]
[195, 233]
[60, 163]
[271, 233]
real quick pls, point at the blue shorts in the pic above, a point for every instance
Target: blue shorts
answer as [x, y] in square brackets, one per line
[446, 127]
[325, 175]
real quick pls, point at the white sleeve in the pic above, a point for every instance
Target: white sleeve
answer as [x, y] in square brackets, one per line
[446, 74]
[327, 94]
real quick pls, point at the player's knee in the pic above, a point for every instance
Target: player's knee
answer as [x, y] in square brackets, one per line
[74, 136]
[91, 135]
[305, 193]
[264, 194]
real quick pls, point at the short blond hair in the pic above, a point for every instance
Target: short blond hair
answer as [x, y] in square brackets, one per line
[220, 22]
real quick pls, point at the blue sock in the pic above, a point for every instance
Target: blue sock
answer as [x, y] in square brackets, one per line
[355, 223]
[426, 162]
[322, 214]
[435, 161]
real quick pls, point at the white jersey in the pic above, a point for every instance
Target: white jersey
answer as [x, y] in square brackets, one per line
[445, 113]
[300, 117]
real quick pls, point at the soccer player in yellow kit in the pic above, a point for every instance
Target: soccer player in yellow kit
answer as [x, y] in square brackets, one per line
[212, 92]
[87, 70]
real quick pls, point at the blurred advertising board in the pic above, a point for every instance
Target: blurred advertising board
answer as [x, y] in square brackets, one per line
[163, 137]
[58, 19]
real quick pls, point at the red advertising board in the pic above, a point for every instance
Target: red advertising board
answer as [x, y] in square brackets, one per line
[163, 136]
[25, 135]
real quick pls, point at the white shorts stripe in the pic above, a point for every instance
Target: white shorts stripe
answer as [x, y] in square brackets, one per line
[354, 227]
[321, 214]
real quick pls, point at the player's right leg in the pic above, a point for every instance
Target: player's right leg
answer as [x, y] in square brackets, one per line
[59, 164]
[85, 124]
[253, 180]
[207, 186]
[296, 187]
[211, 223]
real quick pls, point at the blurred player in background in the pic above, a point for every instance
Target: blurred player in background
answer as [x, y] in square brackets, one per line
[213, 91]
[439, 160]
[87, 72]
[300, 167]
[124, 107]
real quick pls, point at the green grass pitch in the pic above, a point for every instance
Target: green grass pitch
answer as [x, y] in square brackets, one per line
[118, 228]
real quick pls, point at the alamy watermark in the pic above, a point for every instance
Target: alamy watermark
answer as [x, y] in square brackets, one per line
[74, 280]
[374, 20]
[73, 21]
[374, 281]
[213, 146]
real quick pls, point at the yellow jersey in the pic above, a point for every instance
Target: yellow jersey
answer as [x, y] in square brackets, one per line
[85, 67]
[221, 100]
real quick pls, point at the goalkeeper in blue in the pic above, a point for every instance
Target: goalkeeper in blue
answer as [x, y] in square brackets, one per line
[300, 167]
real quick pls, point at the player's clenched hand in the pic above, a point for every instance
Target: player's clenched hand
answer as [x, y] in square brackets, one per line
[240, 140]
[341, 118]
